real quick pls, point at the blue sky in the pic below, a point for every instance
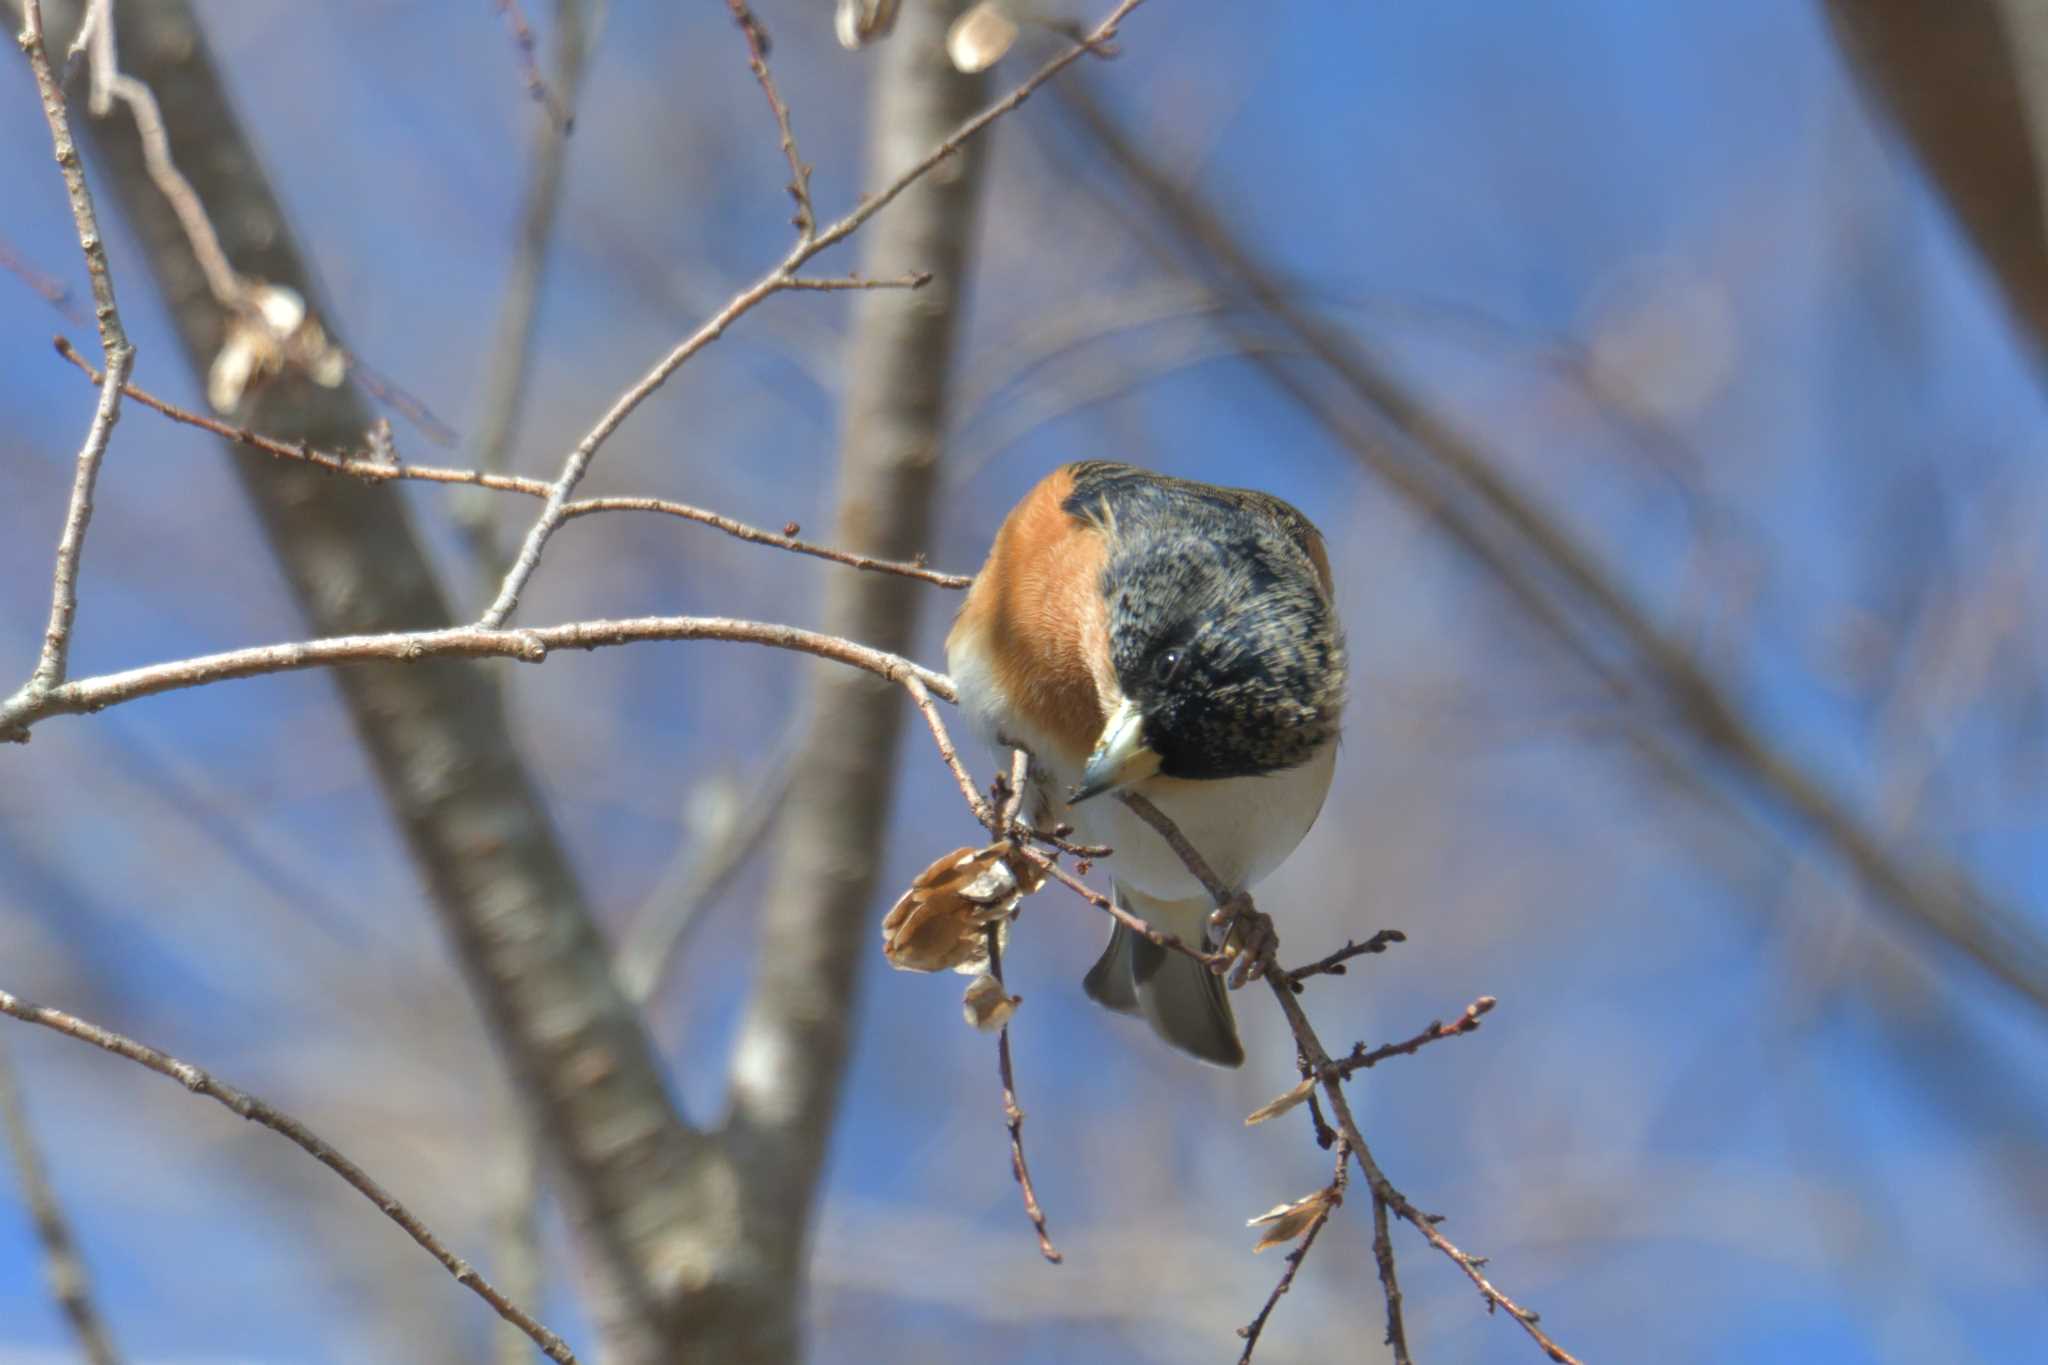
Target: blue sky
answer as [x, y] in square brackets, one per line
[1727, 1109]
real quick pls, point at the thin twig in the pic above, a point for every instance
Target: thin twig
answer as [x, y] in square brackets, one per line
[775, 280]
[1143, 928]
[806, 220]
[527, 644]
[1003, 818]
[529, 66]
[1333, 964]
[1013, 799]
[1390, 1283]
[63, 1267]
[1330, 1076]
[375, 470]
[830, 284]
[110, 83]
[1468, 1022]
[53, 661]
[512, 339]
[1320, 1065]
[1333, 1195]
[1013, 1115]
[257, 1111]
[243, 298]
[982, 811]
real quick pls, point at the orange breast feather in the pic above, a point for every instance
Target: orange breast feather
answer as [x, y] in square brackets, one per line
[1036, 615]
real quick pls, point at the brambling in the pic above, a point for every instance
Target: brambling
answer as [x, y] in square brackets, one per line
[1132, 631]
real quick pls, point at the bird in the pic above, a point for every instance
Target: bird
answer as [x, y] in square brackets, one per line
[1136, 632]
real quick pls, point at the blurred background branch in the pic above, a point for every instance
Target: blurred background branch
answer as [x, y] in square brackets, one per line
[1543, 563]
[1967, 83]
[70, 1283]
[816, 930]
[437, 736]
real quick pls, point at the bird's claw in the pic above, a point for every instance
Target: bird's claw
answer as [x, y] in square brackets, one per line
[1248, 940]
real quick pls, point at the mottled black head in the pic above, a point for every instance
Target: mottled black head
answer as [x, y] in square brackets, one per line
[1219, 629]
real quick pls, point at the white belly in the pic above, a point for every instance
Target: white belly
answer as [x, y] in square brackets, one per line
[1244, 826]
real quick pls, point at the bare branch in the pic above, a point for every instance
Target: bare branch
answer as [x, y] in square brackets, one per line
[110, 83]
[54, 659]
[53, 663]
[806, 220]
[528, 645]
[1330, 1076]
[511, 353]
[1332, 1197]
[1333, 964]
[256, 1111]
[1004, 817]
[376, 469]
[777, 279]
[62, 1265]
[1143, 928]
[515, 915]
[558, 111]
[1468, 1022]
[826, 284]
[1013, 1115]
[1320, 1065]
[1390, 1283]
[795, 1036]
[112, 336]
[951, 756]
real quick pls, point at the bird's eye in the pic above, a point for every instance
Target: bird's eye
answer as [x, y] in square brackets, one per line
[1167, 664]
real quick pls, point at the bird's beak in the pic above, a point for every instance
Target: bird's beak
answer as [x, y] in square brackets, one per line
[1121, 756]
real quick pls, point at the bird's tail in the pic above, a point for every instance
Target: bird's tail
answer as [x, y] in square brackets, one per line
[1181, 998]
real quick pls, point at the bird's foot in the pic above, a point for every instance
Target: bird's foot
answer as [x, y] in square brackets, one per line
[1248, 939]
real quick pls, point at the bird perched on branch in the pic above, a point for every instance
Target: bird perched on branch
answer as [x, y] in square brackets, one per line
[1137, 632]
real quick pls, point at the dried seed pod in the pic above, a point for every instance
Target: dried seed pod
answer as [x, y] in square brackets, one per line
[941, 922]
[986, 1004]
[1280, 1106]
[1285, 1222]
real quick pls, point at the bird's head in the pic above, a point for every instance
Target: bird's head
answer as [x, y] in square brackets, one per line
[1227, 655]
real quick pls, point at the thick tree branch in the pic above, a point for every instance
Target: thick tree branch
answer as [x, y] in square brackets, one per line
[794, 1039]
[1964, 81]
[436, 733]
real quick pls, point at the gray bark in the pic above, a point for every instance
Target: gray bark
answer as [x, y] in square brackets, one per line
[697, 1242]
[818, 918]
[435, 732]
